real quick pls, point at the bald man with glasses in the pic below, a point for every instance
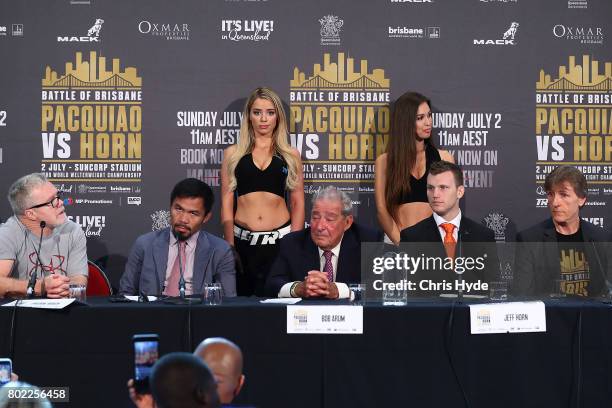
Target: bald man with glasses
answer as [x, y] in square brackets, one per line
[39, 220]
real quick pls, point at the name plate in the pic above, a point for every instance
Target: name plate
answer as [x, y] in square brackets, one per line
[511, 317]
[42, 303]
[324, 320]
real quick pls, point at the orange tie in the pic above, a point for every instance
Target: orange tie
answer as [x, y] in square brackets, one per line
[449, 239]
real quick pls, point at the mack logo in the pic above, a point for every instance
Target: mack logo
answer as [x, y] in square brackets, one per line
[494, 42]
[78, 39]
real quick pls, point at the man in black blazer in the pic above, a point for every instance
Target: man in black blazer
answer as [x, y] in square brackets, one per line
[456, 235]
[321, 260]
[563, 248]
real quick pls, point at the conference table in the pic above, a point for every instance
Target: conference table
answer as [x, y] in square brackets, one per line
[418, 355]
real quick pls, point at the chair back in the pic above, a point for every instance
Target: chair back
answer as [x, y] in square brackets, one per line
[97, 282]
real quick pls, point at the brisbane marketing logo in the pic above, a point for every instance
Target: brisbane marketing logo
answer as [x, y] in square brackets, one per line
[93, 34]
[507, 38]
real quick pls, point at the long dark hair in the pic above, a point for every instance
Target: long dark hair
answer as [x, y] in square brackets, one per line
[401, 150]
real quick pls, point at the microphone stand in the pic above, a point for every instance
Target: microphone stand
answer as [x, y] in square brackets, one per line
[460, 275]
[32, 282]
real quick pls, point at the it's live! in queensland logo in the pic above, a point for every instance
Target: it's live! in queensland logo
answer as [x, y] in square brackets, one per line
[339, 119]
[91, 122]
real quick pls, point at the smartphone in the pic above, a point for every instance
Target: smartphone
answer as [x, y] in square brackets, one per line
[146, 353]
[6, 368]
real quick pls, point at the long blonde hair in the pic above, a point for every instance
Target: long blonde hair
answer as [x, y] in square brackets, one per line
[246, 140]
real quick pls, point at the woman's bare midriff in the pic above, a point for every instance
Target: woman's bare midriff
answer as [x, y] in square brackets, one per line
[261, 211]
[411, 213]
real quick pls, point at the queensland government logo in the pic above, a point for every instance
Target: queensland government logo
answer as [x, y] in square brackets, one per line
[339, 119]
[93, 34]
[414, 32]
[497, 222]
[160, 220]
[584, 35]
[507, 38]
[246, 30]
[330, 30]
[169, 31]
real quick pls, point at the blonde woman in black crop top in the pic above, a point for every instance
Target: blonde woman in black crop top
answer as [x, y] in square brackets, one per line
[258, 176]
[400, 179]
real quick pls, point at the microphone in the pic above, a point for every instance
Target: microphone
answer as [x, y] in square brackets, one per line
[602, 271]
[32, 281]
[181, 282]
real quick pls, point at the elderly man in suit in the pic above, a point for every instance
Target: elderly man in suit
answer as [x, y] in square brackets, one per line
[155, 261]
[319, 261]
[457, 235]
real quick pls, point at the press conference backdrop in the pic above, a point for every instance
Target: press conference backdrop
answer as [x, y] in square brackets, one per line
[117, 101]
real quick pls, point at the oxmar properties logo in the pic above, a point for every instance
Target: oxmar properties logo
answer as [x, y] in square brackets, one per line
[246, 30]
[507, 38]
[93, 34]
[584, 35]
[169, 31]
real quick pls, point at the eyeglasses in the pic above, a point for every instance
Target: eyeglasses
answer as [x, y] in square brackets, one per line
[55, 203]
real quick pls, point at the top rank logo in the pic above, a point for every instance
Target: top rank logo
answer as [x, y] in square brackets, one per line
[93, 34]
[507, 37]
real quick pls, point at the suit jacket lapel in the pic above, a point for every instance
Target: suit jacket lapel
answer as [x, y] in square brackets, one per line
[203, 255]
[349, 252]
[311, 253]
[160, 257]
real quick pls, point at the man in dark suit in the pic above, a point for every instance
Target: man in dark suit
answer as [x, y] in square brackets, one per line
[319, 261]
[451, 234]
[154, 265]
[563, 249]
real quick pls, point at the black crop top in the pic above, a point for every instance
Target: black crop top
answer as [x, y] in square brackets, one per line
[249, 178]
[418, 187]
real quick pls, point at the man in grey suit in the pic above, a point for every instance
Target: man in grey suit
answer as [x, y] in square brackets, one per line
[154, 264]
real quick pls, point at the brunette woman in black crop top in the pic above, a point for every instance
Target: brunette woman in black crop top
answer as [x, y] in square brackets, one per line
[258, 176]
[401, 173]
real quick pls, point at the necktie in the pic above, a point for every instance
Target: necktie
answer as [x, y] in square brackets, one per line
[329, 267]
[175, 274]
[449, 240]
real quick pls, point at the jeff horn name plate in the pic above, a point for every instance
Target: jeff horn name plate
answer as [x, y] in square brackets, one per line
[511, 317]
